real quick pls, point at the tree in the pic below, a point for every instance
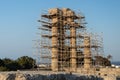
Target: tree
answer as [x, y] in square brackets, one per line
[10, 64]
[109, 57]
[1, 62]
[3, 68]
[106, 62]
[13, 66]
[103, 61]
[26, 62]
[7, 63]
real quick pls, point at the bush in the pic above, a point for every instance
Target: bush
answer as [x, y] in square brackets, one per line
[1, 62]
[2, 68]
[11, 64]
[26, 62]
[103, 61]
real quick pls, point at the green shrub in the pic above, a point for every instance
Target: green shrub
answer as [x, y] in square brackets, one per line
[23, 62]
[2, 68]
[26, 62]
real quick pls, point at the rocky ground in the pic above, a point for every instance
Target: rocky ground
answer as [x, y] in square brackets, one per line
[44, 75]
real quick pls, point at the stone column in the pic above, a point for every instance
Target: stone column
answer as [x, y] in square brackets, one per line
[70, 21]
[54, 50]
[54, 20]
[73, 48]
[87, 53]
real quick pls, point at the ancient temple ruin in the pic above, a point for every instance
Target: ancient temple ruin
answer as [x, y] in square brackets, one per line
[65, 42]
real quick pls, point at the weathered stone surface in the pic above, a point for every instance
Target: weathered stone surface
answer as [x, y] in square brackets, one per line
[5, 76]
[27, 76]
[46, 75]
[20, 77]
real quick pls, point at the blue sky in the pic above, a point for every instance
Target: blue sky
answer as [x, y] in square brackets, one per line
[18, 23]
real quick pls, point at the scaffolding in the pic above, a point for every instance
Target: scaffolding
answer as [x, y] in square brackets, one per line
[64, 42]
